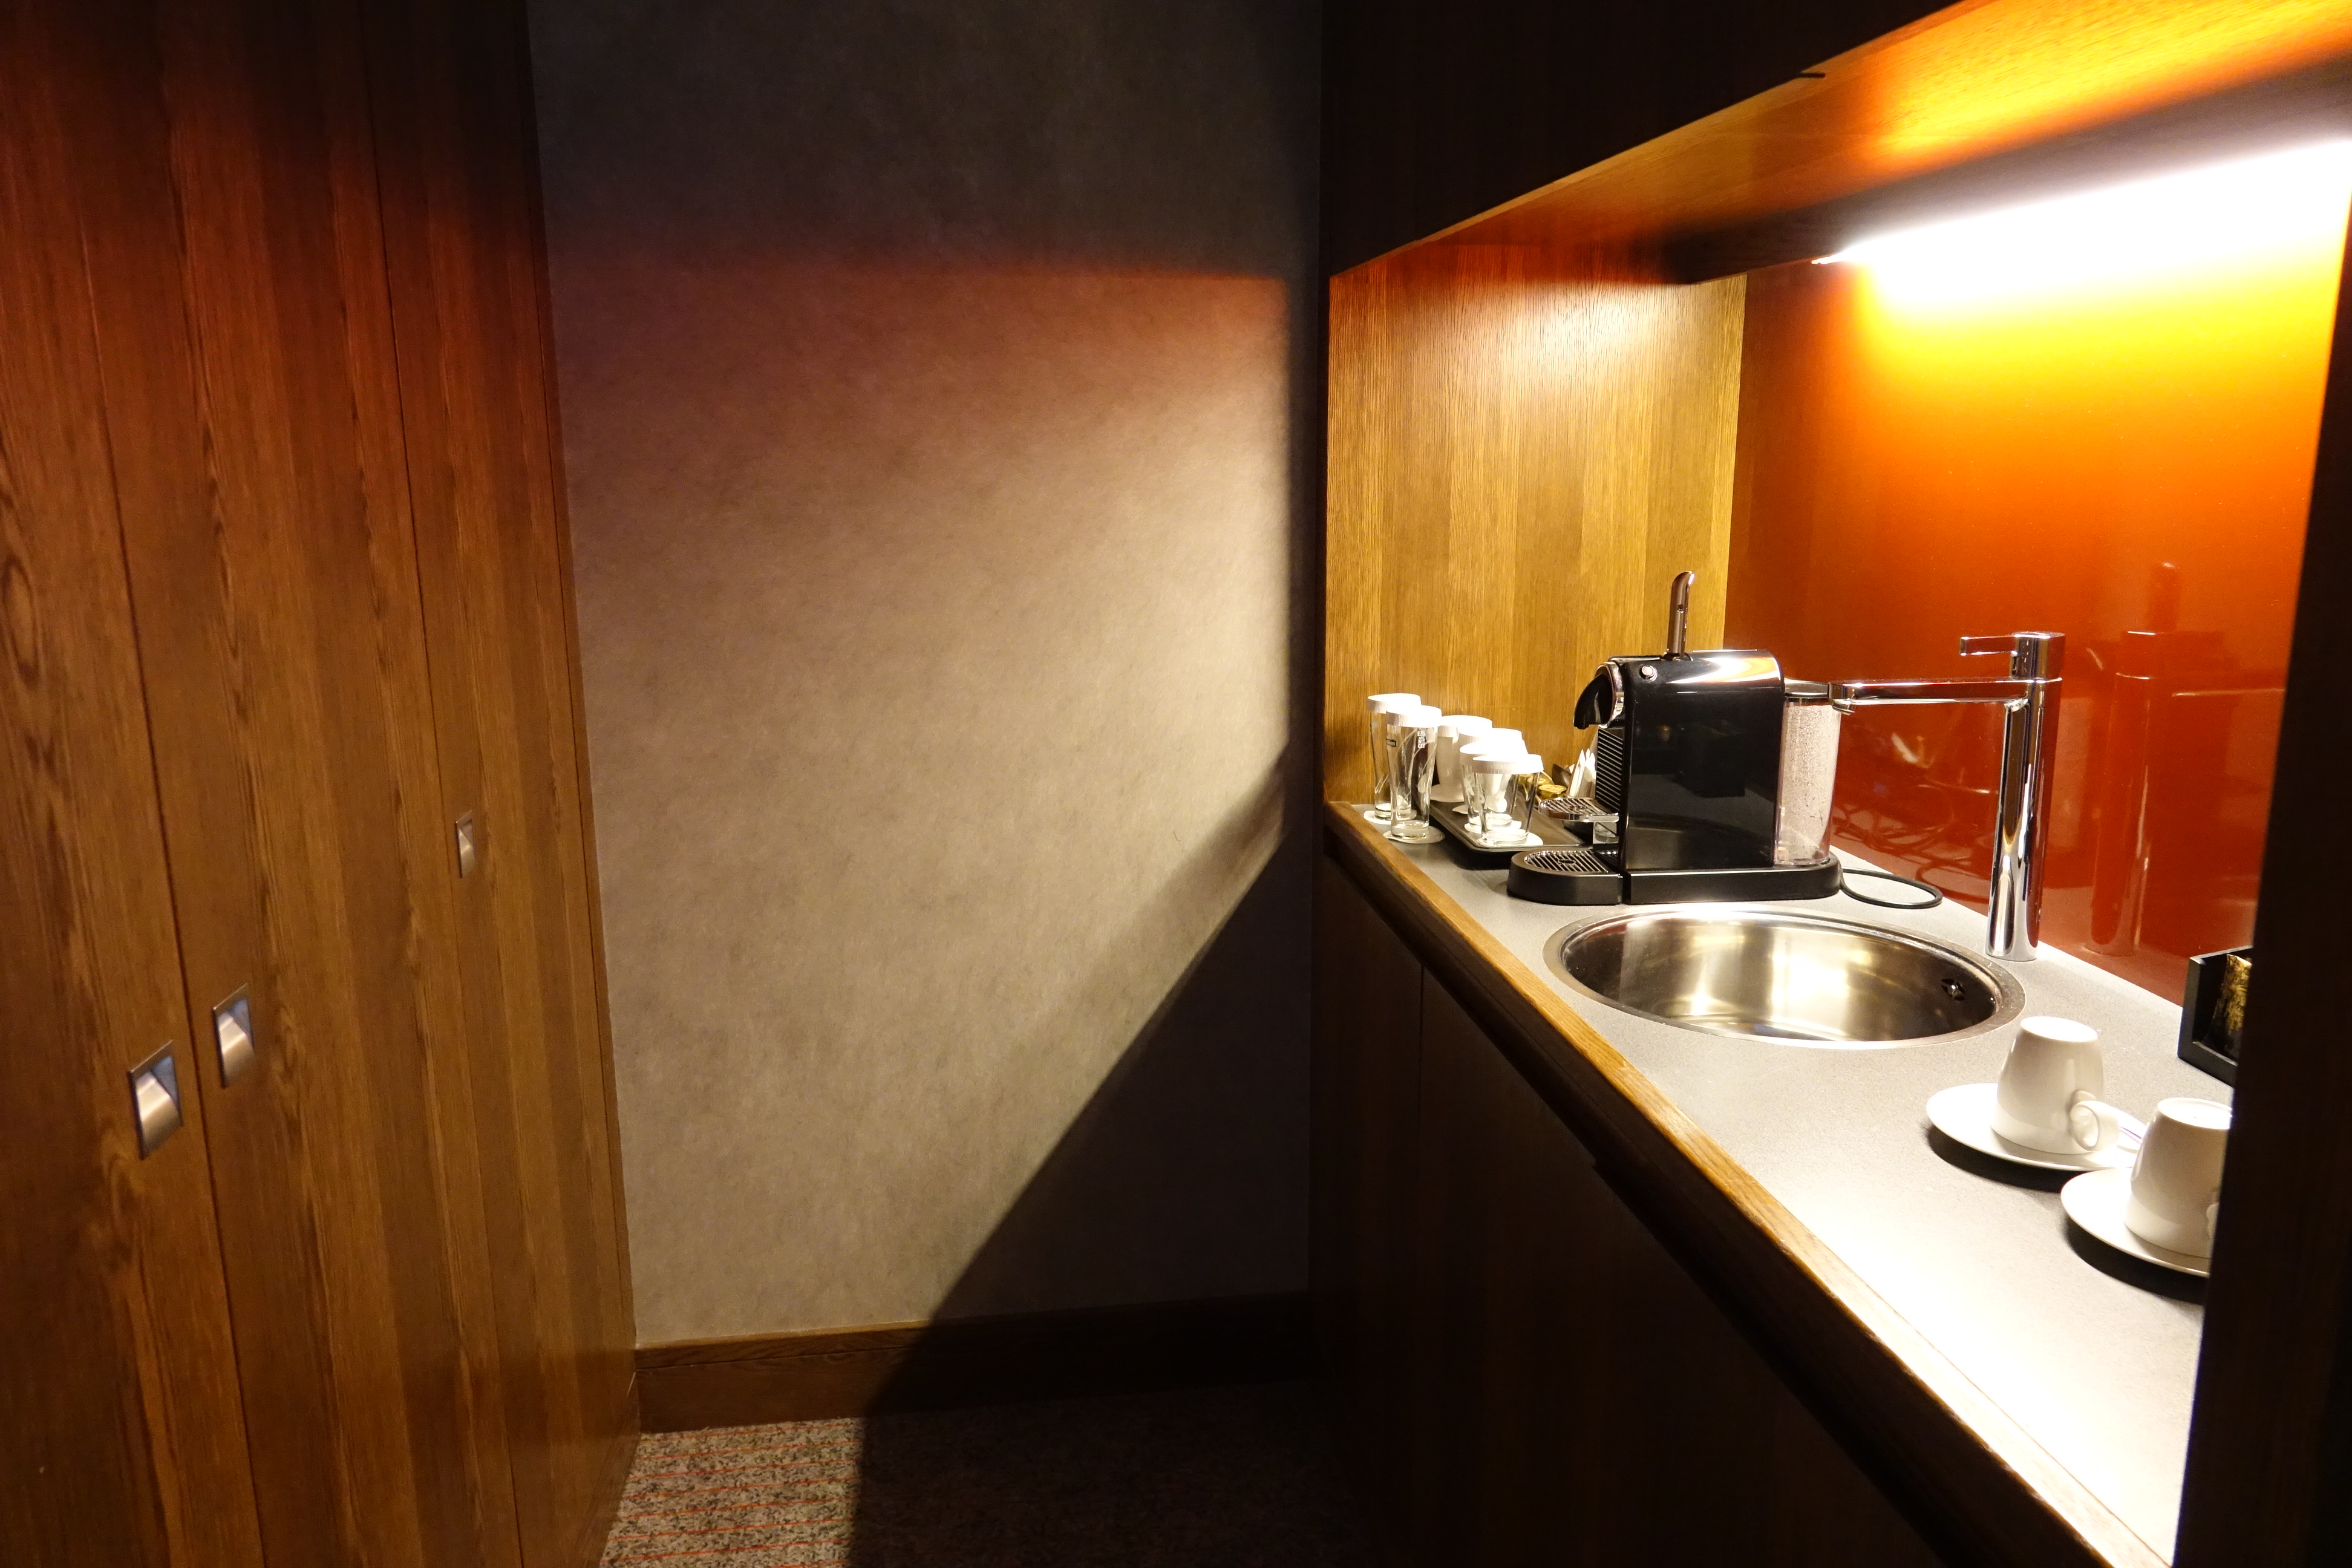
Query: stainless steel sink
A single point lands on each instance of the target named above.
(1799, 978)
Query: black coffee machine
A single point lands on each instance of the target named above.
(1687, 782)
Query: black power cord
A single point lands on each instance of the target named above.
(1846, 885)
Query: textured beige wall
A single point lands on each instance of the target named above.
(936, 509)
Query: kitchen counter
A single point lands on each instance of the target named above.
(2093, 1368)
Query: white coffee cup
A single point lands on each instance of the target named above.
(1454, 731)
(2049, 1095)
(1492, 739)
(2176, 1187)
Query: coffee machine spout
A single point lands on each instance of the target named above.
(1678, 614)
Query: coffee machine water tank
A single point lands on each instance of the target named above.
(1809, 750)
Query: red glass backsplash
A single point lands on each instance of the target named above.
(2129, 465)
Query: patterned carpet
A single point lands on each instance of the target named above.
(1231, 1477)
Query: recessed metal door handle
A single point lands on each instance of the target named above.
(469, 852)
(155, 1101)
(233, 1032)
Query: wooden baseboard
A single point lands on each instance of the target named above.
(690, 1383)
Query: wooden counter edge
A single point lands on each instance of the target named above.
(1911, 1417)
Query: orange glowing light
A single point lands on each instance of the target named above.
(2097, 417)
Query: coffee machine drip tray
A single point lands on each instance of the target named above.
(1568, 876)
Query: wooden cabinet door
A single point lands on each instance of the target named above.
(455, 150)
(250, 425)
(122, 1435)
(241, 308)
(1366, 1086)
(1580, 1400)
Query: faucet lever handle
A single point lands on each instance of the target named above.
(2033, 656)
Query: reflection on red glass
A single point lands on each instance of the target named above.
(2127, 462)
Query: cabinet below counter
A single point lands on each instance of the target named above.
(1581, 1303)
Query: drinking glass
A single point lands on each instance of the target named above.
(1412, 769)
(1376, 710)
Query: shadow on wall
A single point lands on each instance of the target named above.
(938, 634)
(940, 411)
(1188, 1150)
(1170, 1205)
(1198, 1107)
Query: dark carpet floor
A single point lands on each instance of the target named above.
(1227, 1477)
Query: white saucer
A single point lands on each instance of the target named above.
(2094, 1200)
(1964, 1114)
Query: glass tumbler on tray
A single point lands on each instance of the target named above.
(1413, 769)
(1494, 790)
(1377, 708)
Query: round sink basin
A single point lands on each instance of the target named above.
(1799, 978)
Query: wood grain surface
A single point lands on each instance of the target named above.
(243, 326)
(1366, 1085)
(692, 1384)
(1519, 1372)
(1434, 113)
(1523, 451)
(1579, 1400)
(274, 580)
(456, 157)
(1972, 81)
(123, 1441)
(1951, 1458)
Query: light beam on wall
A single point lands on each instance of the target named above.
(2214, 214)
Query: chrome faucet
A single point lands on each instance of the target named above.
(2020, 833)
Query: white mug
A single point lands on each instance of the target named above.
(1454, 731)
(2176, 1187)
(2050, 1090)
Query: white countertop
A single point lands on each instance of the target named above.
(2099, 1370)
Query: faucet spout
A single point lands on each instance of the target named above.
(1845, 695)
(2028, 731)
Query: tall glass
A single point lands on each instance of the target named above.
(1376, 710)
(1495, 787)
(1485, 792)
(1413, 764)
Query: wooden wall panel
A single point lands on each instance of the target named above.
(123, 1439)
(234, 336)
(275, 584)
(2028, 90)
(1524, 450)
(455, 138)
(1434, 113)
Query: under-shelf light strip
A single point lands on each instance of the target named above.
(2210, 214)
